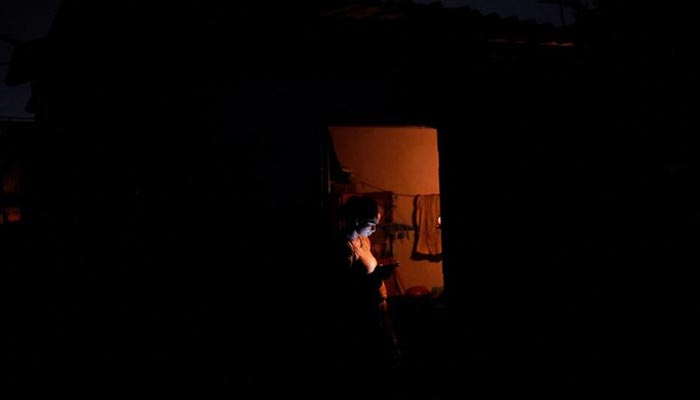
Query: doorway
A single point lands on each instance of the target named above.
(404, 161)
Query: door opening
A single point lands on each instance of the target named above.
(401, 161)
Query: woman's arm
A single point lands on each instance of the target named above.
(364, 253)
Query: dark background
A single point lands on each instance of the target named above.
(174, 190)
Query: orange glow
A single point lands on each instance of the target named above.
(13, 214)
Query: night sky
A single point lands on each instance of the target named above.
(523, 9)
(21, 20)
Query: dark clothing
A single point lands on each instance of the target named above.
(362, 323)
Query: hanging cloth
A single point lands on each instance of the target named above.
(429, 237)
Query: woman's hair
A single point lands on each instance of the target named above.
(361, 208)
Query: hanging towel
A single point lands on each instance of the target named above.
(429, 238)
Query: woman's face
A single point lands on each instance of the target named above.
(367, 227)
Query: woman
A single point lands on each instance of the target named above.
(367, 339)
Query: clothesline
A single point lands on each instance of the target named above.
(386, 190)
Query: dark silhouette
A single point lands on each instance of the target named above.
(365, 336)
